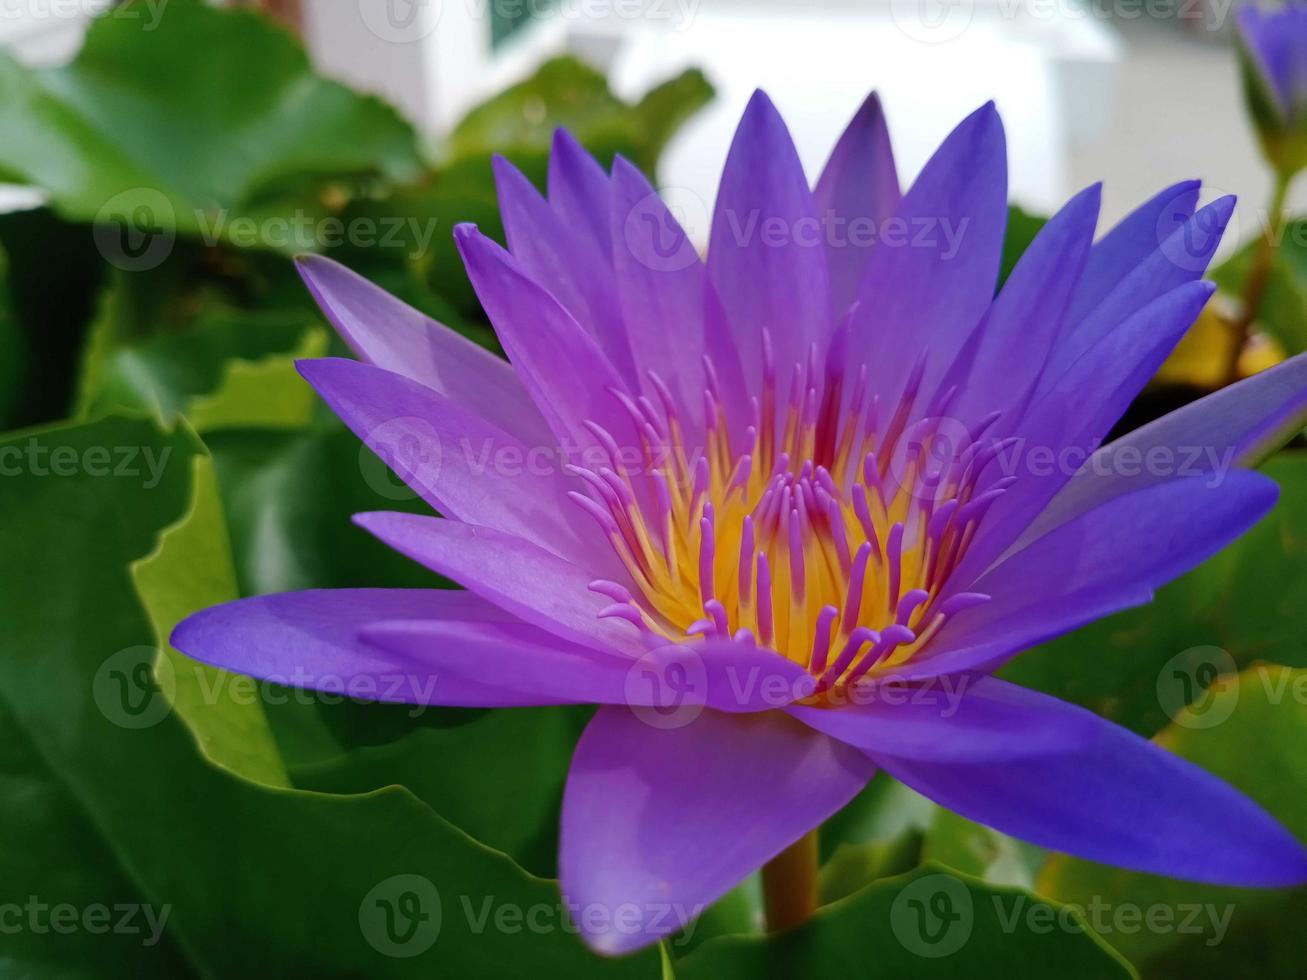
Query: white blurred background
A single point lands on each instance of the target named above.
(1137, 93)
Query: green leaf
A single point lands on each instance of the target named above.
(53, 278)
(229, 368)
(499, 777)
(879, 833)
(13, 350)
(665, 108)
(258, 880)
(44, 827)
(931, 923)
(289, 495)
(189, 571)
(1022, 227)
(267, 393)
(520, 121)
(1240, 607)
(1283, 310)
(1249, 730)
(211, 122)
(981, 851)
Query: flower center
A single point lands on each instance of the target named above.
(826, 530)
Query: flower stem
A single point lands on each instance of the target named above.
(789, 884)
(1259, 275)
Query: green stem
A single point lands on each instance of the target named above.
(789, 884)
(1259, 275)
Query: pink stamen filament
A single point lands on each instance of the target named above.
(821, 535)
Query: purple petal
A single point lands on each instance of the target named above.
(515, 660)
(496, 664)
(1176, 259)
(1104, 560)
(562, 367)
(766, 255)
(1129, 243)
(565, 260)
(1006, 352)
(1276, 41)
(929, 289)
(958, 718)
(511, 573)
(673, 315)
(658, 823)
(859, 188)
(389, 333)
(1069, 420)
(453, 457)
(1111, 797)
(311, 640)
(663, 289)
(578, 189)
(1235, 427)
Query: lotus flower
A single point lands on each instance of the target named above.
(1273, 49)
(811, 492)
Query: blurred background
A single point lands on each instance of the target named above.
(1137, 93)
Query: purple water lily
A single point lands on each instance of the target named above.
(781, 512)
(1273, 48)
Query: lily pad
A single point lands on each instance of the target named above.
(259, 880)
(931, 923)
(211, 123)
(1242, 606)
(1248, 729)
